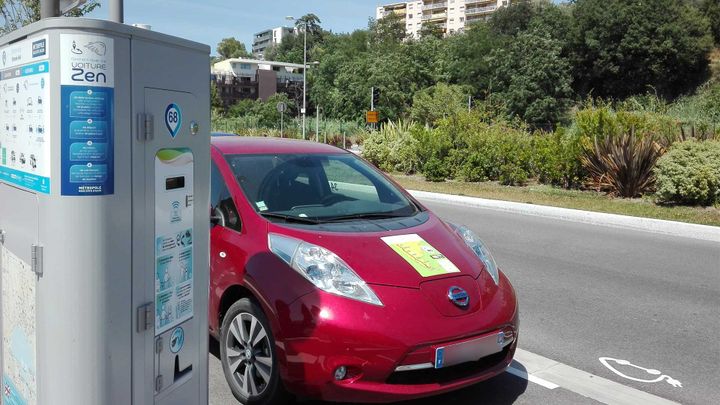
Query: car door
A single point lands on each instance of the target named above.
(227, 254)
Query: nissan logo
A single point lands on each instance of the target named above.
(459, 297)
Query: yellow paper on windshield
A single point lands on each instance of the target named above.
(424, 258)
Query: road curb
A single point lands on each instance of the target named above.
(673, 228)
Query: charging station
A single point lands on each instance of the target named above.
(104, 204)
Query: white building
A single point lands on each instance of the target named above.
(265, 39)
(239, 79)
(450, 16)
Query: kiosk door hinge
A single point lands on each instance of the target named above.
(146, 317)
(36, 259)
(145, 127)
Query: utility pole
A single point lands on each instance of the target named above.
(304, 109)
(469, 103)
(117, 13)
(49, 8)
(317, 125)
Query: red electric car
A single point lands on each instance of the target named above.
(330, 281)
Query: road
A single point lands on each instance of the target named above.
(588, 292)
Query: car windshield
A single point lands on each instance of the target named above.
(317, 188)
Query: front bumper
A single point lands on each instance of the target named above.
(321, 332)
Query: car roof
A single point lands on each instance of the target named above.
(245, 145)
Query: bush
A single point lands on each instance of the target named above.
(690, 174)
(393, 148)
(434, 170)
(622, 165)
(556, 158)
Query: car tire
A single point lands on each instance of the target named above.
(253, 380)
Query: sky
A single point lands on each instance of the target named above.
(209, 21)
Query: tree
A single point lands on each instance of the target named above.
(388, 30)
(18, 13)
(711, 10)
(440, 101)
(620, 48)
(532, 79)
(469, 56)
(230, 48)
(312, 23)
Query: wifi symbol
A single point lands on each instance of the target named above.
(176, 204)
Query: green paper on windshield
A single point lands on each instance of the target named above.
(424, 258)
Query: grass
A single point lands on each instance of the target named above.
(556, 197)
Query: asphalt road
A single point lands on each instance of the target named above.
(589, 291)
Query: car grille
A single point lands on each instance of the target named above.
(449, 374)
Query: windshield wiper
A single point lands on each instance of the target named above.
(367, 215)
(290, 218)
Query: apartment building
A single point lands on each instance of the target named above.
(450, 16)
(265, 39)
(410, 13)
(240, 79)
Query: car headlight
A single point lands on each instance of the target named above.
(322, 267)
(481, 250)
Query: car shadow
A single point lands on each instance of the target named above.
(503, 389)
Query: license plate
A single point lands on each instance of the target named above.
(471, 350)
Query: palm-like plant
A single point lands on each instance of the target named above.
(622, 164)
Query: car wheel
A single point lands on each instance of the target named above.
(247, 351)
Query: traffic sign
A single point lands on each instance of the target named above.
(372, 117)
(281, 107)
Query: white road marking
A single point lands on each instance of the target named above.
(533, 379)
(549, 371)
(607, 360)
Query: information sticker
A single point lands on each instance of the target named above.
(424, 258)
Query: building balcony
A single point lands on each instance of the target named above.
(434, 17)
(481, 10)
(434, 6)
(480, 3)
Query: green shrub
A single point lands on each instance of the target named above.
(622, 165)
(556, 158)
(434, 170)
(393, 148)
(690, 174)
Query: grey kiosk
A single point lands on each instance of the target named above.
(104, 196)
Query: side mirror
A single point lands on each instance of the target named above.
(217, 217)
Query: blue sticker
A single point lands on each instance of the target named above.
(173, 119)
(439, 354)
(87, 140)
(177, 340)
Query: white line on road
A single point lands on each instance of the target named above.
(533, 379)
(550, 373)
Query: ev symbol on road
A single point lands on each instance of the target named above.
(606, 361)
(173, 119)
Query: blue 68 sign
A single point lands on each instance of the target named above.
(173, 119)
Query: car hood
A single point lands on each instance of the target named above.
(383, 258)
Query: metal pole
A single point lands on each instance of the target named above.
(49, 8)
(282, 116)
(469, 103)
(317, 125)
(372, 98)
(344, 145)
(304, 112)
(117, 13)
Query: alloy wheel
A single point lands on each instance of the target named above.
(248, 355)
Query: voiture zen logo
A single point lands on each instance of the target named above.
(89, 72)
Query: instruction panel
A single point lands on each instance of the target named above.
(173, 238)
(25, 157)
(87, 120)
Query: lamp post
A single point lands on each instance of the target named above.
(304, 107)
